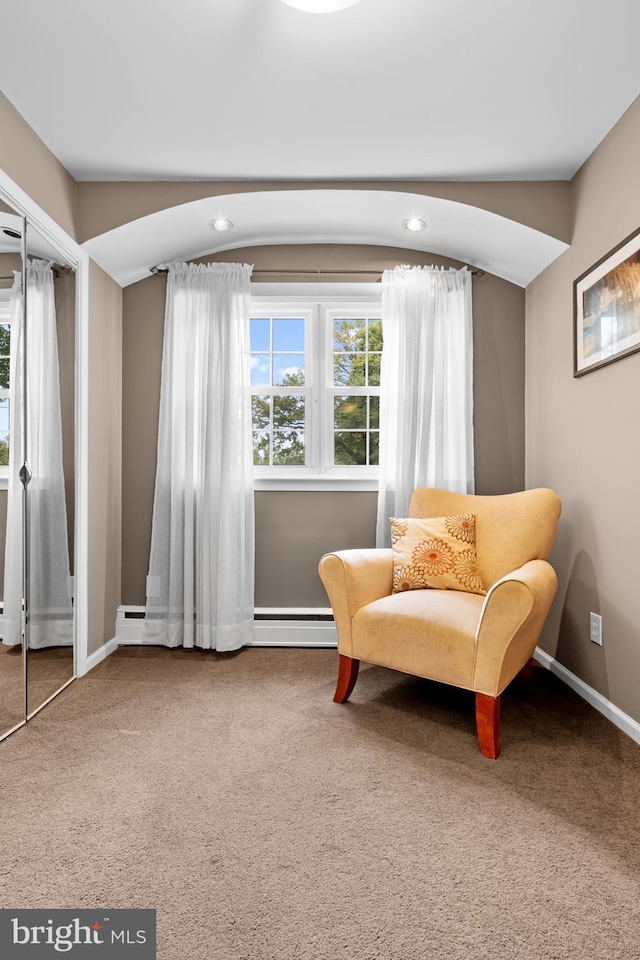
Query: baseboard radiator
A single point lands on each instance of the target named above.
(272, 627)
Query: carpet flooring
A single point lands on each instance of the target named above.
(264, 822)
(48, 670)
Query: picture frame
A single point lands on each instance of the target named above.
(606, 308)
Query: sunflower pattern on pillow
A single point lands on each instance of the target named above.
(438, 552)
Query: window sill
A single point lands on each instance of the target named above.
(316, 482)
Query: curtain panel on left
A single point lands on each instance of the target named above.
(201, 571)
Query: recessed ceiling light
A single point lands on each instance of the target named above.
(221, 224)
(320, 6)
(415, 224)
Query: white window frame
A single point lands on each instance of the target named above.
(317, 303)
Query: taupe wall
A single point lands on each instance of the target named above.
(30, 164)
(541, 205)
(293, 530)
(582, 436)
(105, 455)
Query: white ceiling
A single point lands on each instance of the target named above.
(233, 89)
(386, 89)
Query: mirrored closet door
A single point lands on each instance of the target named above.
(38, 406)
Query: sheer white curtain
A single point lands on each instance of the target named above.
(201, 571)
(426, 387)
(50, 604)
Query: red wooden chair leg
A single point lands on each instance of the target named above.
(488, 724)
(347, 676)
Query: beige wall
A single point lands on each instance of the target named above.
(541, 205)
(293, 530)
(105, 455)
(30, 164)
(582, 436)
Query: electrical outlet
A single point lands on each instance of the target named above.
(595, 628)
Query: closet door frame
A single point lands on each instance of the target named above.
(16, 197)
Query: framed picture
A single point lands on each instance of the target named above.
(606, 308)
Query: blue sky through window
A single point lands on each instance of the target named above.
(277, 350)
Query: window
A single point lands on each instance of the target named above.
(279, 392)
(315, 390)
(357, 351)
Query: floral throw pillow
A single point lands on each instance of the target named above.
(437, 552)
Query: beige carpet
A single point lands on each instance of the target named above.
(264, 822)
(11, 687)
(48, 670)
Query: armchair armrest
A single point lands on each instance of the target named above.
(353, 578)
(511, 621)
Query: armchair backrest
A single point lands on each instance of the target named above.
(510, 529)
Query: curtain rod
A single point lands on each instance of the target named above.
(56, 270)
(315, 273)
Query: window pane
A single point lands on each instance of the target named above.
(261, 448)
(288, 369)
(260, 369)
(374, 449)
(288, 447)
(260, 336)
(5, 335)
(261, 418)
(288, 335)
(374, 412)
(288, 412)
(350, 412)
(4, 432)
(374, 369)
(349, 369)
(288, 430)
(375, 335)
(349, 335)
(260, 412)
(350, 449)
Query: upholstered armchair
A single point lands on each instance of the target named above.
(478, 641)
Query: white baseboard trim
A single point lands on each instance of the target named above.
(272, 632)
(622, 720)
(95, 658)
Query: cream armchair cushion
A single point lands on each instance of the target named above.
(476, 642)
